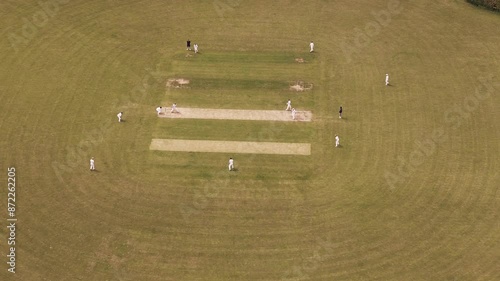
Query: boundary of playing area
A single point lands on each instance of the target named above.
(231, 146)
(237, 114)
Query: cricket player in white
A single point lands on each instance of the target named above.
(288, 105)
(158, 110)
(119, 115)
(174, 108)
(293, 113)
(195, 48)
(387, 79)
(337, 141)
(231, 164)
(92, 166)
(312, 47)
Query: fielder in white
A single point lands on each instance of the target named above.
(119, 115)
(312, 47)
(92, 166)
(158, 110)
(337, 141)
(288, 105)
(293, 113)
(231, 164)
(174, 108)
(195, 48)
(387, 79)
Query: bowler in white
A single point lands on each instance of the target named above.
(174, 108)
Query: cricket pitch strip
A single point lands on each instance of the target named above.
(237, 114)
(231, 146)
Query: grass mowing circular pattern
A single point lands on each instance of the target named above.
(411, 194)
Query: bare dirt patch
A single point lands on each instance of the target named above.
(301, 86)
(300, 60)
(231, 146)
(177, 82)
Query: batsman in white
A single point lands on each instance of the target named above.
(293, 113)
(288, 105)
(158, 110)
(92, 166)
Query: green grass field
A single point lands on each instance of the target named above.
(412, 193)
